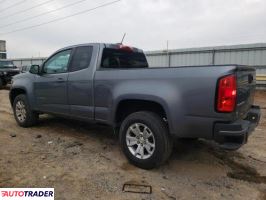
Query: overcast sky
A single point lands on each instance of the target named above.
(148, 24)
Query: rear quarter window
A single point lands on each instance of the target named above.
(81, 58)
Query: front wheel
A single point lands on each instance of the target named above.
(24, 116)
(145, 139)
(2, 83)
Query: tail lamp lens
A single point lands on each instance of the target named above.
(125, 48)
(226, 100)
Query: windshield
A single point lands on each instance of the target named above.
(117, 58)
(6, 64)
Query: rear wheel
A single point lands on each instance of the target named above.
(145, 139)
(24, 116)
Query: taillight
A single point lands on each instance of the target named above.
(125, 48)
(226, 98)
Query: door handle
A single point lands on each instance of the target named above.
(60, 80)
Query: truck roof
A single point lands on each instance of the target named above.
(104, 45)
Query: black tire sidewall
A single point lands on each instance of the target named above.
(1, 83)
(157, 127)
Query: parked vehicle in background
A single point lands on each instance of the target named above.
(7, 71)
(112, 84)
(25, 68)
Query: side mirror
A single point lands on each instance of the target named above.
(35, 69)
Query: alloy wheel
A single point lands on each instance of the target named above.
(140, 141)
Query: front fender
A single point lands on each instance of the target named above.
(24, 82)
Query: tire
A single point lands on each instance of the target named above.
(158, 141)
(23, 114)
(1, 83)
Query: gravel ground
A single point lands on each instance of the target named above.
(84, 161)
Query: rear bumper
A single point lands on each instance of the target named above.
(232, 136)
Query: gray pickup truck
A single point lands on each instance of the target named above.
(111, 84)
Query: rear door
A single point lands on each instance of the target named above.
(80, 81)
(246, 85)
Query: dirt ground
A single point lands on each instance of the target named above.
(84, 161)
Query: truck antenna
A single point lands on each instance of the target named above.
(123, 38)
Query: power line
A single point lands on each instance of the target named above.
(12, 6)
(44, 13)
(62, 18)
(25, 10)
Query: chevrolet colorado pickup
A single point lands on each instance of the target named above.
(7, 71)
(111, 84)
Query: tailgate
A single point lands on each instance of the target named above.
(246, 85)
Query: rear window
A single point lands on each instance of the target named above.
(118, 58)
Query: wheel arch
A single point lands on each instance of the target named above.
(126, 106)
(14, 92)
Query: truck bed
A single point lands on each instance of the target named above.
(189, 91)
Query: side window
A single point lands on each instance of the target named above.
(81, 58)
(58, 63)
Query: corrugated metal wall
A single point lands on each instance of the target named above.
(203, 58)
(251, 54)
(247, 57)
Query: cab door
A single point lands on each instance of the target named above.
(50, 87)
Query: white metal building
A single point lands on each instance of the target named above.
(2, 49)
(20, 62)
(247, 54)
